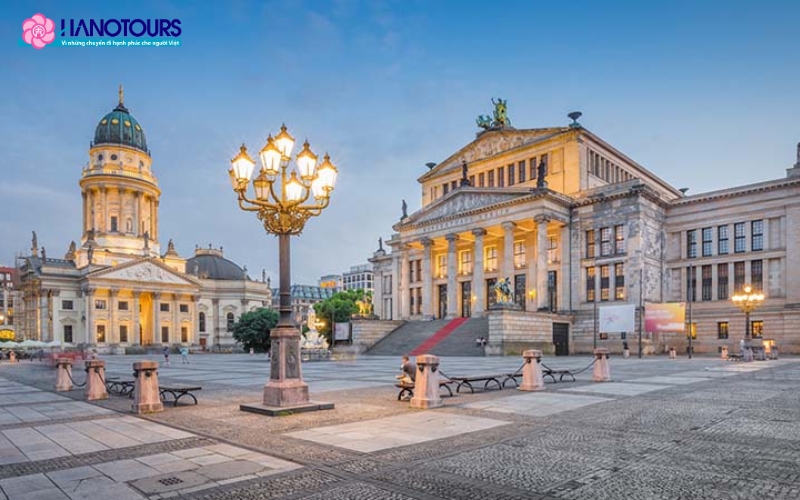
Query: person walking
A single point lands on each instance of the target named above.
(184, 355)
(165, 351)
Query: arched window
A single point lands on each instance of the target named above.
(202, 322)
(230, 321)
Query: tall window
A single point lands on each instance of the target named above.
(184, 308)
(466, 261)
(229, 321)
(590, 242)
(472, 180)
(441, 265)
(722, 282)
(722, 240)
(412, 271)
(590, 282)
(604, 283)
(511, 175)
(706, 287)
(552, 250)
(481, 179)
(101, 334)
(707, 241)
(722, 330)
(532, 169)
(164, 334)
(501, 176)
(65, 304)
(122, 305)
(99, 304)
(184, 334)
(605, 241)
(123, 333)
(619, 281)
(67, 333)
(521, 171)
(164, 306)
(691, 284)
(114, 225)
(619, 239)
(757, 235)
(491, 258)
(445, 188)
(519, 254)
(202, 322)
(491, 178)
(757, 275)
(738, 237)
(757, 328)
(691, 243)
(738, 276)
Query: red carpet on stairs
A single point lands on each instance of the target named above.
(437, 337)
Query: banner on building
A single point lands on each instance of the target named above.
(6, 334)
(665, 317)
(341, 331)
(617, 318)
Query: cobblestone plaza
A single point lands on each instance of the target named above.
(663, 429)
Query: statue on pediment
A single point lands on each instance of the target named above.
(540, 174)
(90, 254)
(380, 244)
(405, 210)
(147, 239)
(34, 241)
(500, 116)
(70, 251)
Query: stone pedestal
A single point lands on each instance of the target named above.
(602, 368)
(673, 354)
(426, 385)
(146, 398)
(532, 378)
(626, 353)
(95, 380)
(723, 353)
(63, 374)
(12, 357)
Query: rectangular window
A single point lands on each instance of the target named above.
(532, 169)
(605, 241)
(491, 258)
(501, 176)
(691, 244)
(739, 237)
(519, 254)
(67, 333)
(738, 276)
(67, 305)
(453, 185)
(511, 175)
(706, 286)
(757, 235)
(619, 281)
(521, 171)
(441, 266)
(604, 283)
(412, 275)
(590, 244)
(164, 334)
(114, 224)
(184, 334)
(164, 307)
(619, 239)
(472, 180)
(707, 241)
(590, 283)
(123, 333)
(491, 178)
(445, 188)
(691, 284)
(757, 275)
(552, 250)
(481, 178)
(465, 260)
(757, 329)
(722, 240)
(419, 271)
(184, 308)
(101, 334)
(99, 304)
(122, 305)
(722, 330)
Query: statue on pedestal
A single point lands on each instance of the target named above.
(405, 210)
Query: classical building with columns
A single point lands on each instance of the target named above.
(117, 287)
(575, 224)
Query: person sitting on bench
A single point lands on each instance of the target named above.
(408, 371)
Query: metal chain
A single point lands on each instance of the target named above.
(575, 372)
(69, 374)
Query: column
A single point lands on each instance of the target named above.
(175, 331)
(404, 289)
(43, 316)
(90, 335)
(85, 212)
(135, 337)
(395, 315)
(508, 252)
(563, 281)
(541, 261)
(530, 278)
(194, 337)
(104, 224)
(214, 323)
(112, 336)
(155, 219)
(452, 272)
(137, 206)
(427, 279)
(478, 280)
(157, 317)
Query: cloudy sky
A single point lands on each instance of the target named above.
(704, 94)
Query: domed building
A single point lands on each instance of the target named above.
(116, 288)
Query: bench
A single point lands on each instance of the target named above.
(486, 379)
(408, 389)
(177, 392)
(546, 372)
(121, 387)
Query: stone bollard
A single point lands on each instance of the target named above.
(626, 353)
(673, 354)
(723, 353)
(426, 384)
(747, 354)
(602, 368)
(774, 352)
(532, 379)
(146, 397)
(64, 374)
(12, 357)
(95, 380)
(252, 351)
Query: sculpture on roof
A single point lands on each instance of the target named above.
(798, 154)
(44, 255)
(70, 251)
(34, 243)
(170, 246)
(499, 118)
(405, 210)
(380, 244)
(540, 173)
(147, 239)
(90, 254)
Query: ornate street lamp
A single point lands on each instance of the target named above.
(747, 301)
(284, 201)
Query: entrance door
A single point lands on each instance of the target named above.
(519, 290)
(561, 338)
(491, 295)
(203, 343)
(442, 301)
(466, 299)
(552, 290)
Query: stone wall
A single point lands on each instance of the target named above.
(367, 332)
(513, 331)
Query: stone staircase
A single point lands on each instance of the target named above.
(460, 342)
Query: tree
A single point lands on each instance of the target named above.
(340, 306)
(253, 328)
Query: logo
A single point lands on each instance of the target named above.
(38, 31)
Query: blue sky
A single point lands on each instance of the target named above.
(704, 94)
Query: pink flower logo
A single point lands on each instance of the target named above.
(38, 31)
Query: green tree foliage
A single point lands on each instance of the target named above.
(253, 327)
(341, 306)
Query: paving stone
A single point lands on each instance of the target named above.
(229, 469)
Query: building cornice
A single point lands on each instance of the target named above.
(760, 187)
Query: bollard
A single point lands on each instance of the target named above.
(602, 368)
(774, 352)
(426, 384)
(64, 375)
(146, 397)
(626, 353)
(95, 380)
(12, 357)
(252, 351)
(673, 354)
(747, 354)
(723, 352)
(532, 379)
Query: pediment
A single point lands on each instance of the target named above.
(147, 271)
(461, 202)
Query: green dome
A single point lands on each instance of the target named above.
(119, 127)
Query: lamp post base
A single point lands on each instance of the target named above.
(281, 411)
(285, 393)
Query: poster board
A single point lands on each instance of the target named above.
(341, 331)
(665, 317)
(617, 318)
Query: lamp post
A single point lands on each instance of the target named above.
(747, 301)
(282, 203)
